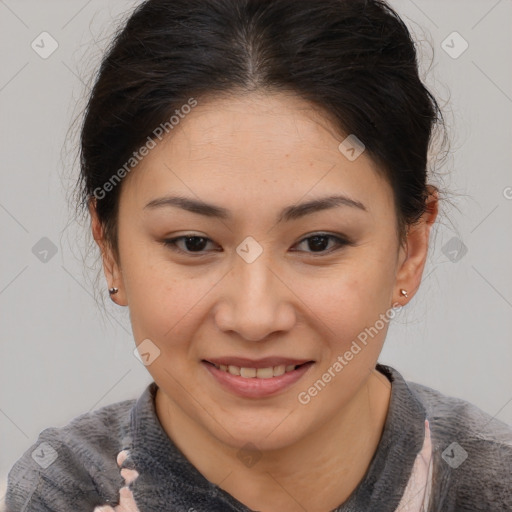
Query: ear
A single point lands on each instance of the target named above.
(111, 266)
(413, 254)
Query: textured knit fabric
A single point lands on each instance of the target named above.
(436, 453)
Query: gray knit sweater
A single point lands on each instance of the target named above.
(436, 453)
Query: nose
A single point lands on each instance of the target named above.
(255, 302)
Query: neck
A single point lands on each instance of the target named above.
(333, 459)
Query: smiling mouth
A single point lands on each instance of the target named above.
(258, 373)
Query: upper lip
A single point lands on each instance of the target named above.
(266, 362)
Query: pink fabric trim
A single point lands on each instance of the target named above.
(126, 499)
(416, 496)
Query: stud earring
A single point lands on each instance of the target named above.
(113, 291)
(404, 293)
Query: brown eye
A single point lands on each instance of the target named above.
(191, 244)
(319, 242)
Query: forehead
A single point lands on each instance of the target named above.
(253, 148)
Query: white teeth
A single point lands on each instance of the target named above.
(248, 372)
(264, 373)
(281, 369)
(234, 370)
(258, 373)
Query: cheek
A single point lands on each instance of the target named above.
(167, 304)
(351, 297)
(157, 297)
(159, 307)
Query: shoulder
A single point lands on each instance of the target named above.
(474, 450)
(72, 467)
(457, 417)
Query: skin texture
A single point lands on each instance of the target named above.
(255, 154)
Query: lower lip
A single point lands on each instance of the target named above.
(254, 387)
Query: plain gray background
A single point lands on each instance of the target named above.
(61, 357)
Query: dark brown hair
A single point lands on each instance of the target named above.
(355, 60)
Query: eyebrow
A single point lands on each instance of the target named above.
(287, 214)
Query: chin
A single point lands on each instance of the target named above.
(272, 434)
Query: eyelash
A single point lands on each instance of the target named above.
(171, 243)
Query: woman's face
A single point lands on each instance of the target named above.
(256, 283)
